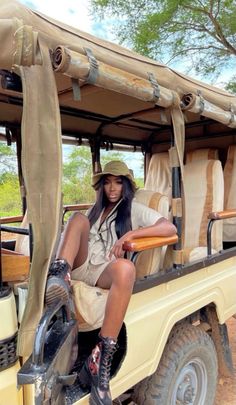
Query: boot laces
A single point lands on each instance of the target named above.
(105, 369)
(59, 267)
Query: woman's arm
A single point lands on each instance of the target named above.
(162, 227)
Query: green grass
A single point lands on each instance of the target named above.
(10, 201)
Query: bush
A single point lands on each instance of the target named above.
(9, 195)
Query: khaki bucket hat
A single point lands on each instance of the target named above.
(115, 168)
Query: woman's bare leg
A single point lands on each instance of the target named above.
(118, 277)
(74, 243)
(72, 252)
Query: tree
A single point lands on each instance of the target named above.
(231, 86)
(10, 200)
(204, 31)
(77, 174)
(7, 158)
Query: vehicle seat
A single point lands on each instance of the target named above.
(229, 225)
(203, 193)
(16, 263)
(150, 261)
(22, 241)
(202, 154)
(159, 175)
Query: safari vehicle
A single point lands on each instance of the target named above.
(59, 84)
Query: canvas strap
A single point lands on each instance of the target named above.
(41, 166)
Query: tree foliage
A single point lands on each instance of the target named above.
(77, 177)
(231, 86)
(10, 200)
(77, 174)
(76, 183)
(168, 30)
(7, 158)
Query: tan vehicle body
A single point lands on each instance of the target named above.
(82, 90)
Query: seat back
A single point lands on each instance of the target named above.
(22, 241)
(16, 264)
(203, 193)
(150, 261)
(229, 225)
(202, 154)
(159, 174)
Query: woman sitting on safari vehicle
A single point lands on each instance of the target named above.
(91, 251)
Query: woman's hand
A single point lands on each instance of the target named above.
(162, 227)
(117, 250)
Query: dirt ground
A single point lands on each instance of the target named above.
(226, 392)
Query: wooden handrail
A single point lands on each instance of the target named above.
(222, 214)
(11, 220)
(66, 208)
(77, 207)
(139, 244)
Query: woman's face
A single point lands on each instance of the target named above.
(113, 188)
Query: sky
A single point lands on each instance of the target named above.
(71, 12)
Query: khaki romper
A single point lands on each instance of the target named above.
(102, 238)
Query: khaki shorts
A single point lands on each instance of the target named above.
(88, 273)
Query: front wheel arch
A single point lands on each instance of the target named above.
(187, 371)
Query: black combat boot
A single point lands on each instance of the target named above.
(58, 282)
(96, 371)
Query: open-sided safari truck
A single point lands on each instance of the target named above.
(58, 83)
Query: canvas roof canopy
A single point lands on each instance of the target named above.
(102, 85)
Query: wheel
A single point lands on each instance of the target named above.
(186, 374)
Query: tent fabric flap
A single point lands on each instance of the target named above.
(41, 164)
(19, 44)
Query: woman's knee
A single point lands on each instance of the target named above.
(79, 220)
(124, 271)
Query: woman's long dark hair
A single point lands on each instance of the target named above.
(123, 216)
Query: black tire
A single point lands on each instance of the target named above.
(186, 374)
